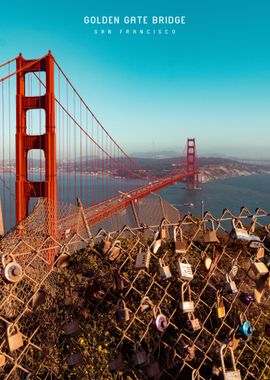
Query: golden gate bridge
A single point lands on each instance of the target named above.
(63, 149)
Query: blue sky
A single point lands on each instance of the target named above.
(211, 80)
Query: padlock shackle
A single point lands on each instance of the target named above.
(118, 304)
(14, 326)
(222, 359)
(185, 287)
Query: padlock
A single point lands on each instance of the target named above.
(15, 341)
(12, 271)
(163, 230)
(153, 370)
(210, 236)
(190, 351)
(234, 373)
(75, 360)
(143, 259)
(164, 270)
(72, 328)
(234, 269)
(230, 285)
(146, 304)
(140, 358)
(106, 244)
(239, 233)
(221, 311)
(119, 282)
(122, 312)
(116, 361)
(232, 341)
(260, 253)
(245, 328)
(2, 360)
(115, 250)
(259, 268)
(160, 320)
(38, 299)
(187, 306)
(179, 243)
(184, 269)
(193, 324)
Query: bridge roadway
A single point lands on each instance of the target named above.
(96, 213)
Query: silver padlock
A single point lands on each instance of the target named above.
(122, 311)
(239, 232)
(160, 320)
(143, 259)
(115, 250)
(12, 271)
(179, 243)
(234, 373)
(184, 269)
(164, 270)
(211, 236)
(193, 323)
(187, 306)
(230, 285)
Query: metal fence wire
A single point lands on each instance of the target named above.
(181, 299)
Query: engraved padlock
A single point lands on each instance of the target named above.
(179, 243)
(238, 231)
(15, 339)
(115, 250)
(230, 285)
(184, 269)
(245, 328)
(160, 320)
(140, 358)
(143, 259)
(259, 268)
(75, 360)
(193, 323)
(232, 374)
(122, 311)
(164, 270)
(12, 271)
(211, 236)
(106, 244)
(221, 311)
(187, 306)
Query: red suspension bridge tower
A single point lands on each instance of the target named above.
(191, 164)
(26, 189)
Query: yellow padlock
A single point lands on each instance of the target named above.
(221, 311)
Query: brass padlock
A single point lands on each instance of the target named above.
(211, 236)
(75, 360)
(106, 244)
(193, 324)
(239, 232)
(115, 250)
(140, 358)
(234, 373)
(122, 311)
(187, 306)
(221, 311)
(15, 340)
(164, 270)
(259, 268)
(12, 271)
(179, 243)
(230, 285)
(160, 320)
(184, 269)
(143, 259)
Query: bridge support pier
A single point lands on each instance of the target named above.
(191, 165)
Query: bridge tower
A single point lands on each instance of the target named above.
(191, 164)
(26, 189)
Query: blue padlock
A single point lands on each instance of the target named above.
(245, 329)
